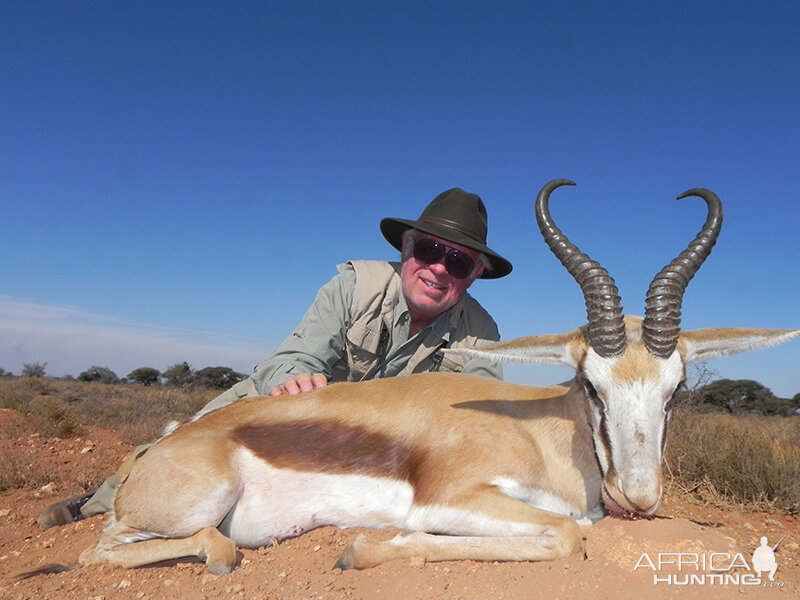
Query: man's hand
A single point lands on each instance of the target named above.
(303, 383)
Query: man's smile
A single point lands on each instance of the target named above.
(432, 284)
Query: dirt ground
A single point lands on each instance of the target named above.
(620, 561)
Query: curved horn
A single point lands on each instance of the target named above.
(662, 316)
(603, 305)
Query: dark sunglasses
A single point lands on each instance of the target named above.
(457, 262)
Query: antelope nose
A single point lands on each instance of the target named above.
(645, 511)
(644, 502)
(639, 501)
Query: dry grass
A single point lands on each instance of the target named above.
(16, 473)
(56, 408)
(50, 408)
(748, 461)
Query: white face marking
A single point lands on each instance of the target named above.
(630, 418)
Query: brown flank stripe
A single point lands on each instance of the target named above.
(330, 447)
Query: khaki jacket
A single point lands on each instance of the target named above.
(372, 316)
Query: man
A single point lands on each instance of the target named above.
(372, 320)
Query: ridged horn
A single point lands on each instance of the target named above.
(662, 316)
(606, 329)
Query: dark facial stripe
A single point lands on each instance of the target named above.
(593, 402)
(330, 447)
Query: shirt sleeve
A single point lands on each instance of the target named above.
(318, 341)
(482, 366)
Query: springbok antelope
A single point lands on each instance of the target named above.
(471, 467)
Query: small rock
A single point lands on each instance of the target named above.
(774, 523)
(50, 488)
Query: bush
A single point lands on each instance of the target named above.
(145, 375)
(219, 378)
(178, 375)
(34, 369)
(99, 374)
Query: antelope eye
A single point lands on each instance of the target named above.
(591, 393)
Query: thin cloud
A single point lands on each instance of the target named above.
(70, 340)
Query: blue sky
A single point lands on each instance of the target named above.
(178, 178)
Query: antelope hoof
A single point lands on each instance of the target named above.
(219, 568)
(345, 561)
(349, 558)
(220, 552)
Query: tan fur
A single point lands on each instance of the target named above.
(634, 364)
(440, 432)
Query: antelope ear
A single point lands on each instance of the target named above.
(703, 344)
(556, 349)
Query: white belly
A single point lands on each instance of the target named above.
(278, 503)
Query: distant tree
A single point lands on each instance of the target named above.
(4, 373)
(145, 375)
(178, 375)
(216, 378)
(100, 374)
(740, 396)
(34, 369)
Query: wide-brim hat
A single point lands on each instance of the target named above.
(455, 216)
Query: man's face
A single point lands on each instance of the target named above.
(428, 288)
